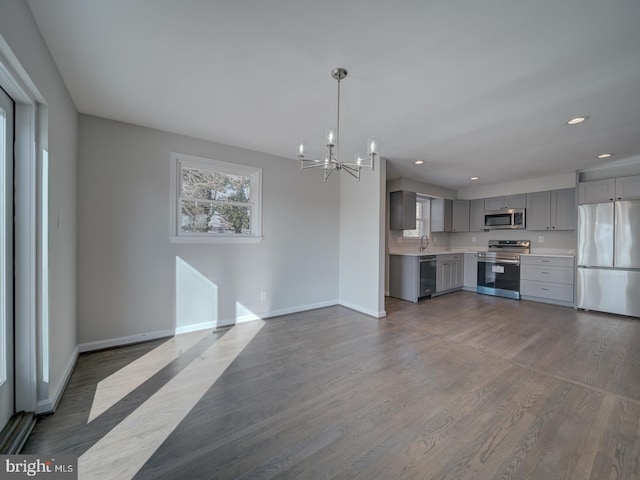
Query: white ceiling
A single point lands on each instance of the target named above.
(470, 87)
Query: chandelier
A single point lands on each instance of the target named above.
(331, 161)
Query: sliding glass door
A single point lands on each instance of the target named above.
(7, 401)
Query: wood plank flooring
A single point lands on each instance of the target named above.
(462, 386)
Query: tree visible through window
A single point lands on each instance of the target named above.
(217, 198)
(215, 202)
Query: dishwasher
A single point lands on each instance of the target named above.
(427, 276)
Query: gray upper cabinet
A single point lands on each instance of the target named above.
(494, 203)
(538, 215)
(597, 191)
(441, 213)
(551, 210)
(508, 201)
(460, 216)
(476, 215)
(609, 190)
(628, 188)
(402, 210)
(563, 209)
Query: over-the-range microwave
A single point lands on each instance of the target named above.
(506, 219)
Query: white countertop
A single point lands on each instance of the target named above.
(547, 252)
(433, 252)
(560, 255)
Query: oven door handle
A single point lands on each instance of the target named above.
(491, 260)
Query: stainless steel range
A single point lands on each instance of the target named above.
(499, 268)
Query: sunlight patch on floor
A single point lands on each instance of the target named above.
(117, 386)
(122, 452)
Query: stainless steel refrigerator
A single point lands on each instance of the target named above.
(608, 278)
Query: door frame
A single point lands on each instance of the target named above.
(27, 148)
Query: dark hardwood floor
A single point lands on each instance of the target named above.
(461, 386)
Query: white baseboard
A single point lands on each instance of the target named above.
(143, 337)
(117, 342)
(366, 311)
(302, 308)
(51, 403)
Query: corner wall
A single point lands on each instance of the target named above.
(362, 237)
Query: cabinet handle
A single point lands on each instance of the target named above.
(547, 228)
(553, 226)
(545, 289)
(545, 273)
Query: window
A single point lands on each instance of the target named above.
(423, 211)
(215, 201)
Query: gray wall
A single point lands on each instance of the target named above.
(22, 37)
(555, 182)
(422, 188)
(362, 259)
(130, 277)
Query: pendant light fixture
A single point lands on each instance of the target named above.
(331, 162)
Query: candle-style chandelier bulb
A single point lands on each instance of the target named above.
(372, 145)
(330, 137)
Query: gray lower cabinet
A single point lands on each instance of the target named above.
(470, 276)
(449, 272)
(405, 277)
(548, 279)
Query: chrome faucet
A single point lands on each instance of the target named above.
(424, 243)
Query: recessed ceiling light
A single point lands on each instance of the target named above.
(578, 120)
(474, 178)
(419, 162)
(605, 155)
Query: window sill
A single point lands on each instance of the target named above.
(192, 239)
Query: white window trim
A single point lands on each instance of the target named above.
(422, 225)
(175, 236)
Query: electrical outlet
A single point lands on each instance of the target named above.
(473, 239)
(540, 239)
(263, 295)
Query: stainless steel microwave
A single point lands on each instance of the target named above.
(506, 219)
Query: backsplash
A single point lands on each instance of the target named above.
(551, 240)
(397, 242)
